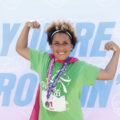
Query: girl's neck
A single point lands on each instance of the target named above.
(72, 59)
(60, 61)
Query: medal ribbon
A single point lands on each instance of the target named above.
(50, 88)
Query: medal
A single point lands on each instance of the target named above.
(47, 104)
(50, 88)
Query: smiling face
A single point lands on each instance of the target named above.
(61, 46)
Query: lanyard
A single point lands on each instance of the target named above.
(50, 88)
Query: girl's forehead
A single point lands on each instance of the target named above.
(61, 37)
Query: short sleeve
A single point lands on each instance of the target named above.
(90, 74)
(37, 58)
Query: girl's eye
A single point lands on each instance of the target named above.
(56, 44)
(65, 44)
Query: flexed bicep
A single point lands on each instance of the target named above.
(22, 43)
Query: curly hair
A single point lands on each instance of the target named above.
(63, 26)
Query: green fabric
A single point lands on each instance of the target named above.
(67, 93)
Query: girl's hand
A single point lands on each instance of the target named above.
(109, 72)
(33, 24)
(112, 46)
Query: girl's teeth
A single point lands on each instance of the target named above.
(61, 53)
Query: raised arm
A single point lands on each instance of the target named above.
(22, 43)
(109, 72)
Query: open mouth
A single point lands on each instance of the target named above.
(61, 53)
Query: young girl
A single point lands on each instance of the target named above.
(61, 76)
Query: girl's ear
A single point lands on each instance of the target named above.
(51, 46)
(71, 47)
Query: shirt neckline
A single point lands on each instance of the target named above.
(72, 59)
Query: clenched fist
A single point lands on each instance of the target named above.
(112, 46)
(33, 24)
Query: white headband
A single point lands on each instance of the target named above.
(57, 31)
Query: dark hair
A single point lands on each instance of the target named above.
(64, 27)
